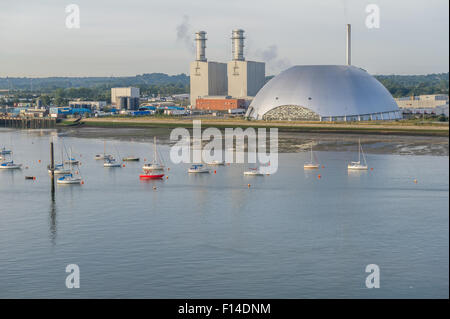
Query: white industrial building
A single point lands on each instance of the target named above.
(207, 78)
(238, 78)
(245, 78)
(92, 105)
(125, 92)
(324, 93)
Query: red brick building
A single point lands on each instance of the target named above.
(219, 104)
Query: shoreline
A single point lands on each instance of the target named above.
(377, 128)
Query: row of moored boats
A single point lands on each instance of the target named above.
(65, 170)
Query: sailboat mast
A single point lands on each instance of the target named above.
(154, 149)
(359, 150)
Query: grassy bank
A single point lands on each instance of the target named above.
(413, 127)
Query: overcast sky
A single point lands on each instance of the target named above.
(130, 37)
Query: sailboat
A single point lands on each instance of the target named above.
(254, 171)
(69, 178)
(216, 163)
(71, 160)
(59, 168)
(4, 151)
(156, 164)
(311, 164)
(109, 160)
(151, 169)
(357, 166)
(198, 168)
(4, 164)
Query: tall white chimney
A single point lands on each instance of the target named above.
(349, 45)
(200, 40)
(238, 45)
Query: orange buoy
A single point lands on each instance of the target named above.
(323, 166)
(123, 165)
(34, 178)
(82, 182)
(248, 185)
(319, 176)
(215, 172)
(39, 161)
(415, 181)
(168, 168)
(167, 177)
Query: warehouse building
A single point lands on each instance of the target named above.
(207, 78)
(220, 103)
(125, 92)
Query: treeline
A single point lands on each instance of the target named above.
(99, 88)
(52, 83)
(407, 85)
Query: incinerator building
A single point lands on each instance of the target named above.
(324, 93)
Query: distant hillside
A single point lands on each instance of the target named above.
(407, 85)
(52, 83)
(398, 85)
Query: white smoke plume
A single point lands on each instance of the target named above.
(270, 56)
(185, 34)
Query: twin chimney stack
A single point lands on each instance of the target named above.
(200, 39)
(238, 44)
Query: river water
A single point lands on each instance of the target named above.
(288, 235)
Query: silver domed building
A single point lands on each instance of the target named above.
(324, 93)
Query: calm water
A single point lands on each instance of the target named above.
(289, 235)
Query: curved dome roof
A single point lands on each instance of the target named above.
(328, 90)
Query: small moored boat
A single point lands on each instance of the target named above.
(357, 166)
(156, 164)
(311, 164)
(4, 151)
(149, 175)
(111, 162)
(10, 165)
(216, 163)
(198, 168)
(254, 172)
(130, 159)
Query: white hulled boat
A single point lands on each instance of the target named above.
(69, 179)
(311, 164)
(10, 165)
(254, 172)
(357, 166)
(198, 168)
(156, 164)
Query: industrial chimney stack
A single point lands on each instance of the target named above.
(238, 45)
(349, 45)
(200, 39)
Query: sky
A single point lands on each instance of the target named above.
(129, 37)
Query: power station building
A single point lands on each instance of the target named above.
(245, 78)
(207, 78)
(239, 79)
(324, 93)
